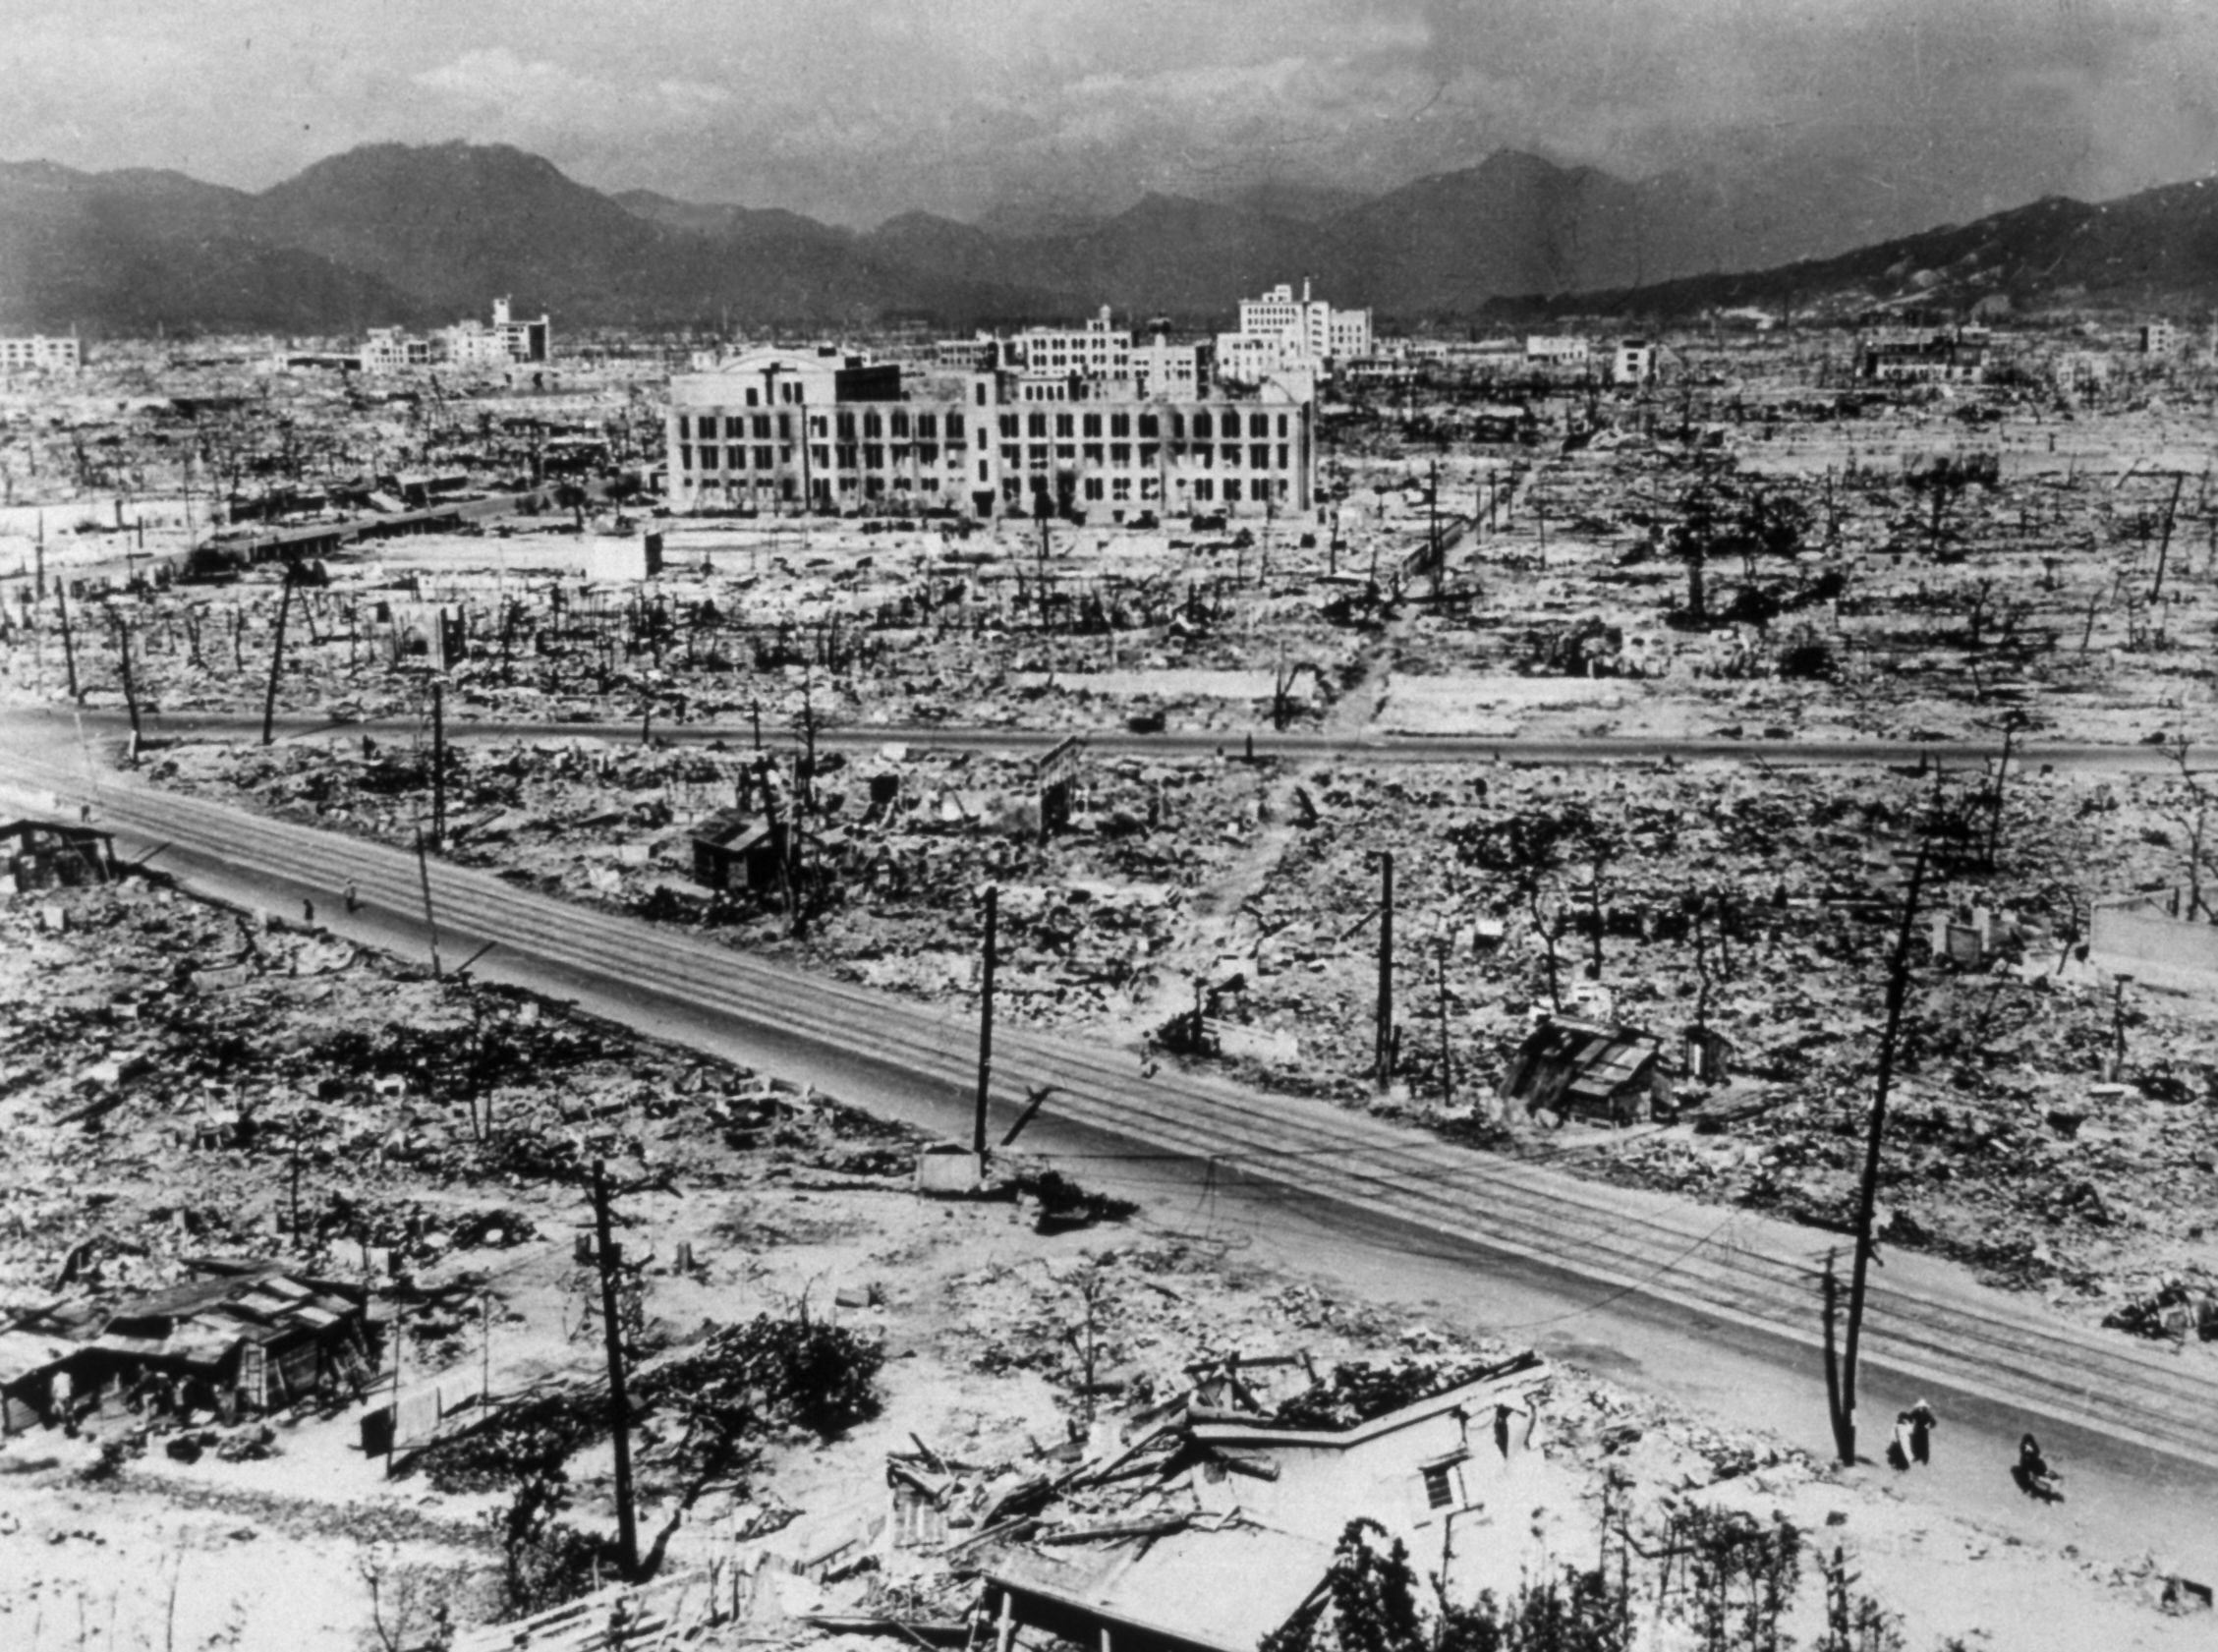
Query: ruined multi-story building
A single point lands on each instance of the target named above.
(507, 342)
(785, 429)
(1282, 333)
(40, 353)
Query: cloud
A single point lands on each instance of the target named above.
(858, 108)
(496, 75)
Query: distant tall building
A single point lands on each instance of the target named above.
(1634, 362)
(467, 344)
(1280, 333)
(2159, 339)
(40, 353)
(1048, 359)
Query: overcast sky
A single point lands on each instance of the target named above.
(855, 109)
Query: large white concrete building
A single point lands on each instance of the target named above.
(790, 430)
(1047, 360)
(40, 353)
(1280, 332)
(509, 341)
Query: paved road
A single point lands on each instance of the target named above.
(1752, 1279)
(1369, 747)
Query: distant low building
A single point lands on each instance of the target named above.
(2159, 339)
(1925, 356)
(2082, 370)
(1557, 351)
(40, 353)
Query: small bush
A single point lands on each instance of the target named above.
(775, 1372)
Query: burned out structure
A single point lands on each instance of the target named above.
(790, 430)
(1224, 1526)
(44, 854)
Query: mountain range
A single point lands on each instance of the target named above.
(424, 233)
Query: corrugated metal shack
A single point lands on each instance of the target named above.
(1583, 1069)
(254, 1337)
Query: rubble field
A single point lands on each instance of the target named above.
(183, 1061)
(1764, 549)
(1753, 902)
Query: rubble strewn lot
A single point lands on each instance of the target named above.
(1753, 903)
(856, 1399)
(858, 1405)
(1759, 905)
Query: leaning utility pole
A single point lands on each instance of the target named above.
(277, 656)
(1383, 1055)
(985, 1029)
(619, 1408)
(1867, 1193)
(2164, 548)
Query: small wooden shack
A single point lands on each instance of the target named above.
(1584, 1070)
(736, 850)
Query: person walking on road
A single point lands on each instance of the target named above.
(2035, 1477)
(352, 900)
(1923, 1423)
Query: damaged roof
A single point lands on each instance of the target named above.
(1222, 1589)
(200, 1323)
(1580, 1062)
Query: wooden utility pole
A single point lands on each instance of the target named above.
(1867, 1192)
(277, 656)
(2164, 547)
(68, 646)
(430, 922)
(1432, 525)
(985, 1027)
(130, 686)
(619, 1408)
(294, 1230)
(400, 1341)
(1995, 803)
(1446, 1061)
(438, 765)
(1382, 1056)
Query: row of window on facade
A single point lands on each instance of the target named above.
(760, 426)
(1201, 426)
(1032, 456)
(1145, 488)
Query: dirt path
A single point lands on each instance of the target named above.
(1222, 932)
